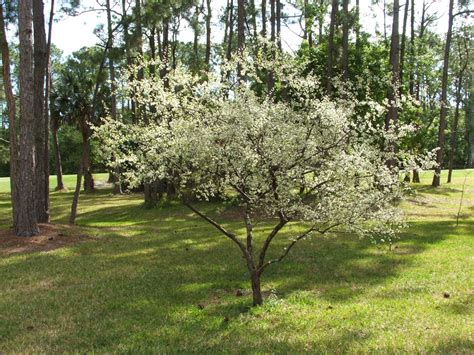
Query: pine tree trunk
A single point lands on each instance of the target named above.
(403, 44)
(11, 108)
(444, 100)
(26, 224)
(41, 132)
(345, 40)
(330, 53)
(264, 18)
(207, 59)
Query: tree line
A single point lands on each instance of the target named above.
(424, 78)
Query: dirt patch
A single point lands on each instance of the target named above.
(51, 237)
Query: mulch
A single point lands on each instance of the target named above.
(51, 237)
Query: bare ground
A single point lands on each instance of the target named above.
(51, 237)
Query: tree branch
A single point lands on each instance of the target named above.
(463, 13)
(292, 244)
(4, 140)
(273, 233)
(219, 227)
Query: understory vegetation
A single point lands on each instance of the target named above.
(163, 280)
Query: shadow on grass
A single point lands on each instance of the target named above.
(144, 281)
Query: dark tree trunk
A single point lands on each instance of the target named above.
(253, 18)
(403, 44)
(196, 41)
(330, 53)
(27, 224)
(345, 40)
(57, 155)
(256, 289)
(412, 48)
(278, 23)
(86, 160)
(416, 177)
(264, 18)
(41, 132)
(207, 59)
(47, 91)
(11, 108)
(469, 126)
(240, 24)
(77, 191)
(444, 99)
(392, 116)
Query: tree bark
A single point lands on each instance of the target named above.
(57, 155)
(278, 23)
(41, 130)
(86, 160)
(403, 44)
(330, 53)
(207, 59)
(444, 100)
(27, 224)
(264, 18)
(256, 289)
(392, 116)
(345, 40)
(77, 191)
(412, 49)
(11, 108)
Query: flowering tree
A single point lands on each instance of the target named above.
(304, 159)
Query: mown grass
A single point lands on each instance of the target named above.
(161, 280)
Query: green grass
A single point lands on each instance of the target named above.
(136, 286)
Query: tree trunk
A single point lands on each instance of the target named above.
(77, 191)
(392, 116)
(11, 108)
(27, 220)
(278, 23)
(86, 160)
(444, 100)
(207, 59)
(264, 18)
(469, 126)
(412, 48)
(416, 176)
(330, 53)
(57, 155)
(41, 133)
(403, 44)
(256, 289)
(345, 40)
(240, 24)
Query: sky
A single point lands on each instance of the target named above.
(72, 33)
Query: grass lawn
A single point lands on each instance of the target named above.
(162, 280)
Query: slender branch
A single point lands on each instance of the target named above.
(463, 13)
(218, 226)
(273, 233)
(292, 244)
(4, 140)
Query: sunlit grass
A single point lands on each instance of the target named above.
(161, 280)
